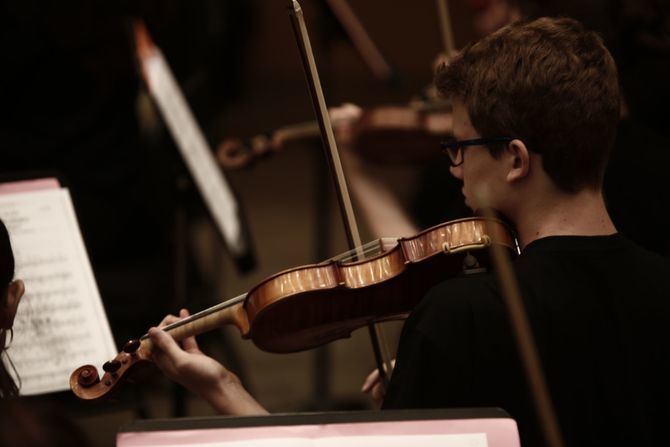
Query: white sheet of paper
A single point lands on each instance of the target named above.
(194, 149)
(442, 440)
(60, 324)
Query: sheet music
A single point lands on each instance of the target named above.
(60, 324)
(194, 149)
(442, 440)
(435, 440)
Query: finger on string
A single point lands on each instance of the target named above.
(158, 355)
(189, 344)
(169, 319)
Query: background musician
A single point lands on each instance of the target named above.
(24, 422)
(12, 291)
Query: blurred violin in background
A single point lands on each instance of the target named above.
(389, 134)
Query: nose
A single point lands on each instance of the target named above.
(457, 171)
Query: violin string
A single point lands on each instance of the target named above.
(370, 249)
(366, 249)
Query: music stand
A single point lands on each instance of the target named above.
(474, 427)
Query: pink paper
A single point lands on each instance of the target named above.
(29, 185)
(499, 432)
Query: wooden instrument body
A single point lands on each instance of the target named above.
(305, 307)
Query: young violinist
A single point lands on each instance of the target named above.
(536, 107)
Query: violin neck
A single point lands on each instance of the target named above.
(296, 132)
(229, 312)
(347, 113)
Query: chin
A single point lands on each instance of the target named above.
(469, 203)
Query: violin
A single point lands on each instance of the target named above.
(308, 306)
(389, 134)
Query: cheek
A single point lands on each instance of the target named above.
(480, 186)
(472, 175)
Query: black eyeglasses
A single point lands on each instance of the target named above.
(455, 148)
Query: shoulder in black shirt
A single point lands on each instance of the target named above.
(598, 307)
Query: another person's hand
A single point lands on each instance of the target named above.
(201, 374)
(374, 386)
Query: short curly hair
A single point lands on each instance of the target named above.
(552, 84)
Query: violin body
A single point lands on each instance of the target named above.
(308, 306)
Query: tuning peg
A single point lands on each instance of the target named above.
(112, 366)
(131, 346)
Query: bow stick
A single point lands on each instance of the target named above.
(333, 157)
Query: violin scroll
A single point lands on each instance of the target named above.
(86, 383)
(234, 153)
(85, 376)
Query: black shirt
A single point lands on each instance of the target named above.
(599, 308)
(635, 178)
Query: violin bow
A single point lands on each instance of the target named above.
(360, 39)
(445, 28)
(333, 157)
(523, 335)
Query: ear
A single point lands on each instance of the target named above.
(15, 291)
(519, 160)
